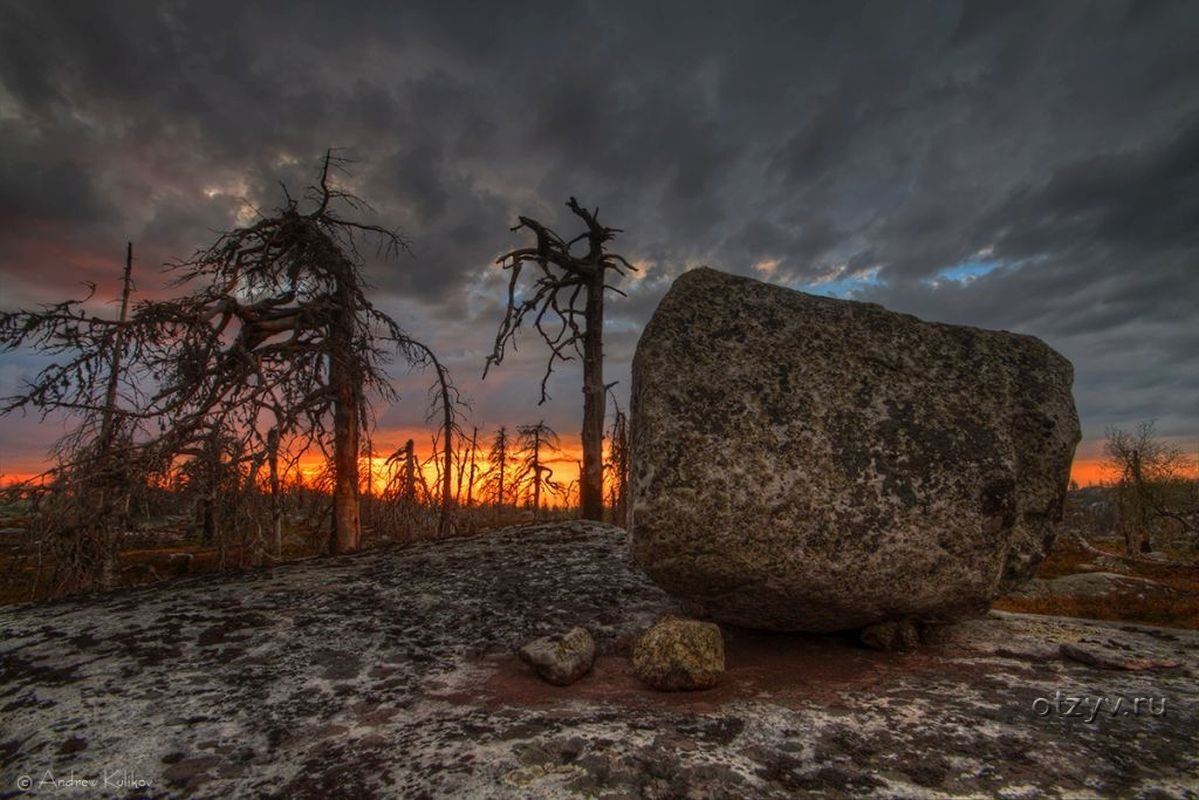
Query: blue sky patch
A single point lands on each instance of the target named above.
(843, 287)
(966, 271)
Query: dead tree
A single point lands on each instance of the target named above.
(278, 320)
(108, 433)
(84, 499)
(286, 324)
(570, 289)
(407, 491)
(1152, 485)
(534, 475)
(617, 466)
(474, 450)
(495, 477)
(466, 465)
(444, 404)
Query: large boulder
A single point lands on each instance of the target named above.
(805, 463)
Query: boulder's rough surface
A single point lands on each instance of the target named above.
(680, 655)
(805, 463)
(561, 659)
(394, 675)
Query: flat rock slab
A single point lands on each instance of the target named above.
(394, 674)
(1086, 584)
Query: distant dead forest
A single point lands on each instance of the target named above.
(230, 425)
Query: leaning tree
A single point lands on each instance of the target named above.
(569, 290)
(275, 341)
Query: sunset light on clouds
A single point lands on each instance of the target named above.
(1028, 167)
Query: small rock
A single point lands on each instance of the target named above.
(561, 659)
(680, 655)
(895, 635)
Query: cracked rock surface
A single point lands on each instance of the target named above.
(395, 674)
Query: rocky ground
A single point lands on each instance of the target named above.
(394, 674)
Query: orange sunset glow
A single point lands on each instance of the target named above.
(564, 463)
(1083, 471)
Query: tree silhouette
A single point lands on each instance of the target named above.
(1151, 484)
(617, 466)
(84, 498)
(444, 405)
(467, 465)
(277, 333)
(496, 476)
(534, 475)
(569, 288)
(406, 490)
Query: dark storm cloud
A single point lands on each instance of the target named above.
(60, 190)
(821, 143)
(1142, 200)
(796, 142)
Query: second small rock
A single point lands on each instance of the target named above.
(561, 659)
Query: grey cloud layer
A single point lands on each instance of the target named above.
(1060, 139)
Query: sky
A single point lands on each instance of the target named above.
(1024, 166)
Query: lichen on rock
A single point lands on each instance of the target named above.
(680, 655)
(561, 659)
(394, 674)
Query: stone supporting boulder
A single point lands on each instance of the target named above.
(900, 635)
(805, 463)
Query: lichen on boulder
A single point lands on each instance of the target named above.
(561, 659)
(680, 655)
(806, 463)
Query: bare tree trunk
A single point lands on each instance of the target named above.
(276, 494)
(591, 489)
(470, 487)
(347, 410)
(503, 470)
(443, 524)
(410, 474)
(367, 508)
(461, 476)
(1143, 502)
(618, 455)
(108, 534)
(536, 474)
(208, 517)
